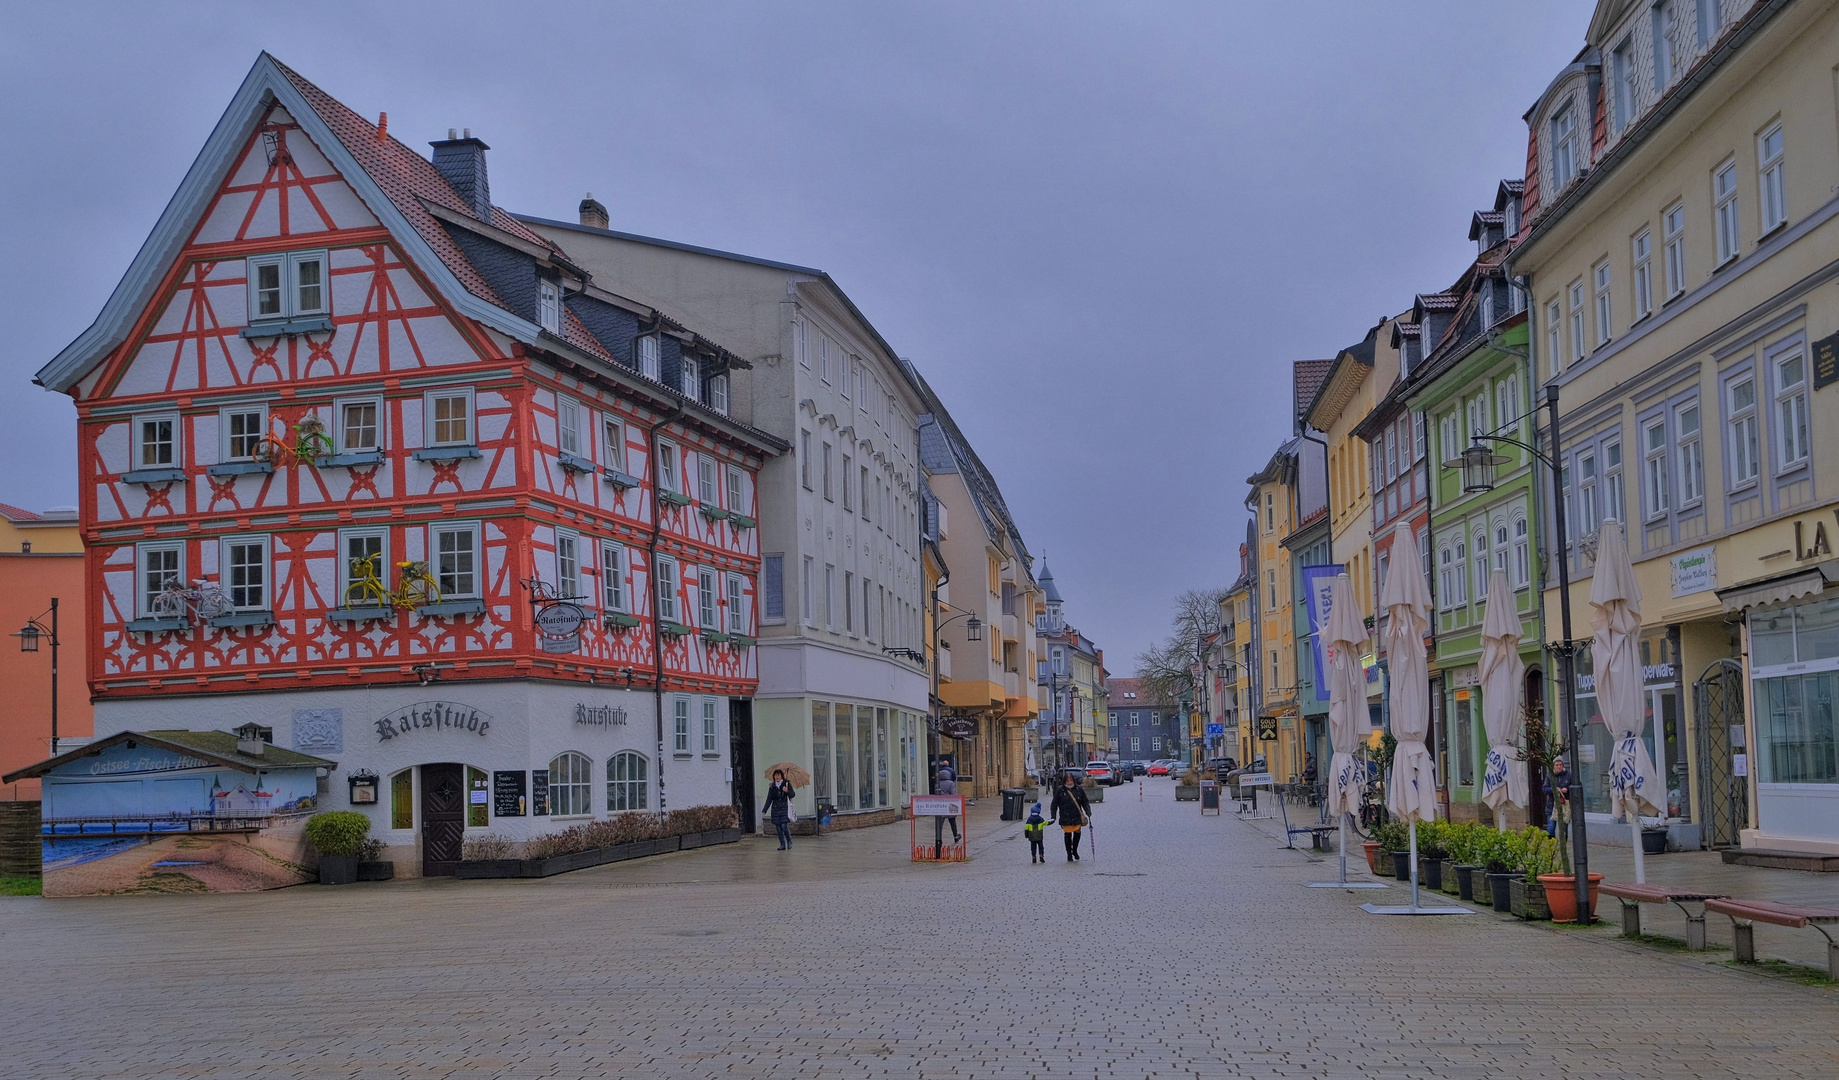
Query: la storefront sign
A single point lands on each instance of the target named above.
(433, 716)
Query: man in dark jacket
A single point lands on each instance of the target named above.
(1073, 811)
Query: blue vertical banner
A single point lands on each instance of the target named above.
(1316, 580)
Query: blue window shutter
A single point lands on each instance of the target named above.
(772, 582)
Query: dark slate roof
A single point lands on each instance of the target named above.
(218, 747)
(1047, 584)
(946, 441)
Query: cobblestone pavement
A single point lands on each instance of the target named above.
(1185, 948)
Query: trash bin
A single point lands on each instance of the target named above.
(1014, 800)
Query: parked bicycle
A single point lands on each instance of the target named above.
(310, 444)
(201, 600)
(415, 587)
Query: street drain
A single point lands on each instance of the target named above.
(1107, 873)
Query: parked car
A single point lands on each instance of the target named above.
(1138, 768)
(1100, 771)
(1157, 768)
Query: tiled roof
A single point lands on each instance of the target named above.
(1308, 376)
(14, 513)
(1439, 301)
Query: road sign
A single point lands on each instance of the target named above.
(1267, 729)
(1216, 729)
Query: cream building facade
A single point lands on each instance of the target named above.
(1685, 307)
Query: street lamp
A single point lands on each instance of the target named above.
(1477, 464)
(973, 631)
(28, 636)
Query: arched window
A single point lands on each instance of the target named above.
(1481, 564)
(1522, 553)
(571, 778)
(626, 782)
(1500, 545)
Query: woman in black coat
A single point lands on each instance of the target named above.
(779, 807)
(1072, 810)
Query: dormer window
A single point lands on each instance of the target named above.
(287, 286)
(648, 356)
(689, 378)
(549, 305)
(1564, 147)
(718, 393)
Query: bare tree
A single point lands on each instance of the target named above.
(1166, 668)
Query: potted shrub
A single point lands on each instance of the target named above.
(371, 864)
(1430, 853)
(1455, 849)
(1527, 892)
(1394, 855)
(338, 836)
(1502, 856)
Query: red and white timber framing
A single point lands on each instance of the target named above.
(394, 336)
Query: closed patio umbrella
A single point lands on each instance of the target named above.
(1411, 787)
(1344, 633)
(1502, 677)
(1615, 614)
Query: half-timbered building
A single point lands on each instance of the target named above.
(368, 463)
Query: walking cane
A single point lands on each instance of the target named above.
(1094, 833)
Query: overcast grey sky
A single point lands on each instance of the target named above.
(1102, 230)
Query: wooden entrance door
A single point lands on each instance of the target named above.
(443, 818)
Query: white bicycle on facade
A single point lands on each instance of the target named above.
(200, 599)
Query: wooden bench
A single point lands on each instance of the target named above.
(1745, 914)
(1633, 896)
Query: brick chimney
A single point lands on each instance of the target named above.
(593, 214)
(461, 160)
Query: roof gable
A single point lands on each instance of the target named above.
(382, 173)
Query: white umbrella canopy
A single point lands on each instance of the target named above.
(1345, 632)
(1615, 614)
(1411, 789)
(1502, 677)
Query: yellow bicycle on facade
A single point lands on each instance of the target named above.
(368, 590)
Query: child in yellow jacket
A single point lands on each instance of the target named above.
(1035, 829)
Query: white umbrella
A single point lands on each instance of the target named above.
(1615, 613)
(1411, 788)
(1502, 673)
(1343, 635)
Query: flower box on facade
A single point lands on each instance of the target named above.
(360, 614)
(445, 455)
(621, 480)
(238, 619)
(239, 468)
(453, 607)
(742, 641)
(714, 637)
(714, 513)
(741, 521)
(312, 324)
(674, 629)
(581, 860)
(673, 498)
(154, 476)
(619, 620)
(157, 626)
(350, 459)
(574, 463)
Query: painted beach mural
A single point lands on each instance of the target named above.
(177, 811)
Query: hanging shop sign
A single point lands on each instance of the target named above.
(958, 727)
(433, 716)
(508, 799)
(559, 623)
(1267, 729)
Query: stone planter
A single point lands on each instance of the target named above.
(1187, 792)
(1465, 883)
(376, 871)
(1527, 899)
(1430, 873)
(1096, 792)
(338, 869)
(1401, 865)
(1449, 877)
(581, 860)
(1500, 888)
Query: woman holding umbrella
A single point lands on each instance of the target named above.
(779, 807)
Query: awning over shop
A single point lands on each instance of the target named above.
(1780, 589)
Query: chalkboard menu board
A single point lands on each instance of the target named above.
(539, 792)
(508, 794)
(1825, 361)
